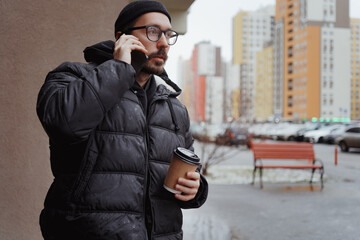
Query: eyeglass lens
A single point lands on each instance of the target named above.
(154, 34)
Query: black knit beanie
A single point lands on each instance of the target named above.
(135, 9)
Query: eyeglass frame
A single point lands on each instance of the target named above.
(159, 36)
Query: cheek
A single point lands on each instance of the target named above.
(148, 44)
(150, 48)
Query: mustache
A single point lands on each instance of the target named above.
(159, 54)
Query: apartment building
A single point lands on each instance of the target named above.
(204, 80)
(251, 30)
(355, 68)
(316, 58)
(233, 90)
(278, 61)
(264, 94)
(185, 77)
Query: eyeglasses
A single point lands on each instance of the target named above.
(154, 33)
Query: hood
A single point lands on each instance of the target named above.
(99, 52)
(164, 80)
(103, 51)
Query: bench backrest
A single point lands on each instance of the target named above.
(283, 150)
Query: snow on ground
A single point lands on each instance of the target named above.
(227, 174)
(204, 227)
(211, 228)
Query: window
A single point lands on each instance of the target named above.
(290, 68)
(290, 84)
(331, 100)
(290, 52)
(290, 101)
(353, 130)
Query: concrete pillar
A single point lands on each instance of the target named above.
(35, 37)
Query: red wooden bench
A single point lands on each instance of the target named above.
(285, 155)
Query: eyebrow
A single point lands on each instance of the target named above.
(157, 25)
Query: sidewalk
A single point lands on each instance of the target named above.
(285, 210)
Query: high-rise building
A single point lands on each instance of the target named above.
(355, 69)
(264, 94)
(185, 77)
(316, 58)
(250, 31)
(233, 91)
(199, 88)
(278, 53)
(205, 83)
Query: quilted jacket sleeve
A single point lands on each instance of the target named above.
(75, 97)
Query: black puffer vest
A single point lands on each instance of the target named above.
(109, 159)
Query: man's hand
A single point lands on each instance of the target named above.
(188, 186)
(125, 45)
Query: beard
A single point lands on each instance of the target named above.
(155, 67)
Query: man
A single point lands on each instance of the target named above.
(112, 132)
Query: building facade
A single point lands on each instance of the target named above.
(316, 58)
(278, 77)
(206, 82)
(233, 90)
(264, 94)
(251, 30)
(185, 76)
(355, 69)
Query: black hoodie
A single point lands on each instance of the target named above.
(100, 52)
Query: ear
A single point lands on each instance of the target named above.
(118, 34)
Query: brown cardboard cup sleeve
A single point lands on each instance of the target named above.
(183, 161)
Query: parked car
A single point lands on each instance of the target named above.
(233, 136)
(260, 130)
(287, 133)
(309, 126)
(317, 136)
(272, 132)
(330, 138)
(349, 139)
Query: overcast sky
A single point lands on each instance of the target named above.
(211, 20)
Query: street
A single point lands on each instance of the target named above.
(285, 210)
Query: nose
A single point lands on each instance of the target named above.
(163, 42)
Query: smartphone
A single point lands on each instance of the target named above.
(138, 60)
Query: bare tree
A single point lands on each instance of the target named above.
(213, 154)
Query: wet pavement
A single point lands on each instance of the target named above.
(282, 210)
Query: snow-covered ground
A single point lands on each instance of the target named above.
(204, 227)
(238, 174)
(208, 227)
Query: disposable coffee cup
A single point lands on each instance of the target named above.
(183, 161)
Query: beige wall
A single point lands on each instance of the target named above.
(36, 36)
